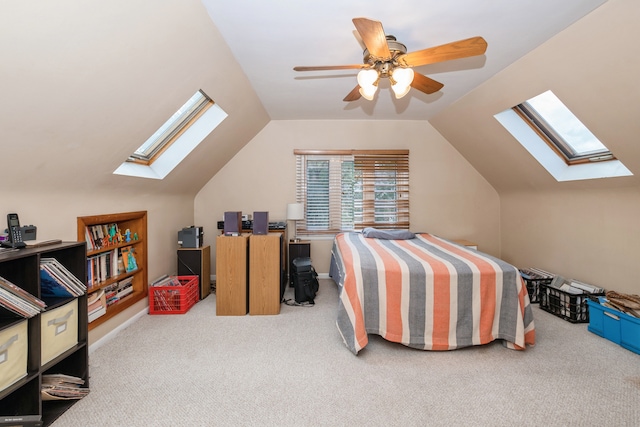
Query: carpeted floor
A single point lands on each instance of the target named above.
(200, 369)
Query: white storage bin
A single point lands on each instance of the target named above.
(59, 330)
(13, 353)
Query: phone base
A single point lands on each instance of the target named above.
(14, 245)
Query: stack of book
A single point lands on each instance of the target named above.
(97, 305)
(575, 287)
(62, 387)
(125, 287)
(19, 301)
(56, 281)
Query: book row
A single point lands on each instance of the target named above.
(107, 265)
(109, 295)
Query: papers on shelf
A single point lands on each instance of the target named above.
(57, 281)
(62, 387)
(19, 301)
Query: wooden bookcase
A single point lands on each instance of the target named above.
(21, 401)
(136, 223)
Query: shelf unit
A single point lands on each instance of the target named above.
(136, 223)
(232, 275)
(265, 274)
(23, 398)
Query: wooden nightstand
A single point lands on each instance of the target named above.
(467, 243)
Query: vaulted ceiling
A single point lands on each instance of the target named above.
(83, 85)
(269, 38)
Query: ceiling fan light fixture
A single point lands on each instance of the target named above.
(369, 92)
(401, 81)
(368, 77)
(368, 81)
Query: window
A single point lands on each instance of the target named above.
(348, 190)
(171, 129)
(562, 129)
(557, 139)
(175, 139)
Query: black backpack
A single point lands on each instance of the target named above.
(305, 281)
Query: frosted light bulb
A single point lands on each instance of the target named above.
(403, 78)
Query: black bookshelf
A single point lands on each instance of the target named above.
(21, 401)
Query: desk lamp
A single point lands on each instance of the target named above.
(295, 212)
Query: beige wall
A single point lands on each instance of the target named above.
(448, 196)
(587, 230)
(55, 215)
(592, 236)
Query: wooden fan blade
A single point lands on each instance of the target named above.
(354, 95)
(425, 84)
(373, 37)
(332, 67)
(446, 52)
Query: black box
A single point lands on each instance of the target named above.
(301, 265)
(191, 237)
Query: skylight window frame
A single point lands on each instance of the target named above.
(177, 124)
(555, 141)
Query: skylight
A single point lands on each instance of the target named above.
(559, 141)
(563, 129)
(167, 132)
(175, 139)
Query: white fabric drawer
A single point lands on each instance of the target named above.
(59, 330)
(13, 353)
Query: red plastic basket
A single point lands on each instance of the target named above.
(174, 299)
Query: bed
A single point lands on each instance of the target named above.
(427, 293)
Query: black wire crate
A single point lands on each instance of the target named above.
(533, 278)
(571, 307)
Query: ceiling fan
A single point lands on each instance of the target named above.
(385, 57)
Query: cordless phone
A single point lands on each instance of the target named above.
(15, 233)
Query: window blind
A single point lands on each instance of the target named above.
(349, 190)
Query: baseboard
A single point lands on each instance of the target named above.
(115, 331)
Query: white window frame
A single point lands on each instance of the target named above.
(360, 201)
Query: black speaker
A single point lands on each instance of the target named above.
(196, 262)
(260, 222)
(232, 223)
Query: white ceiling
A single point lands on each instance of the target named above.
(269, 38)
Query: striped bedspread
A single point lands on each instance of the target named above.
(427, 293)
